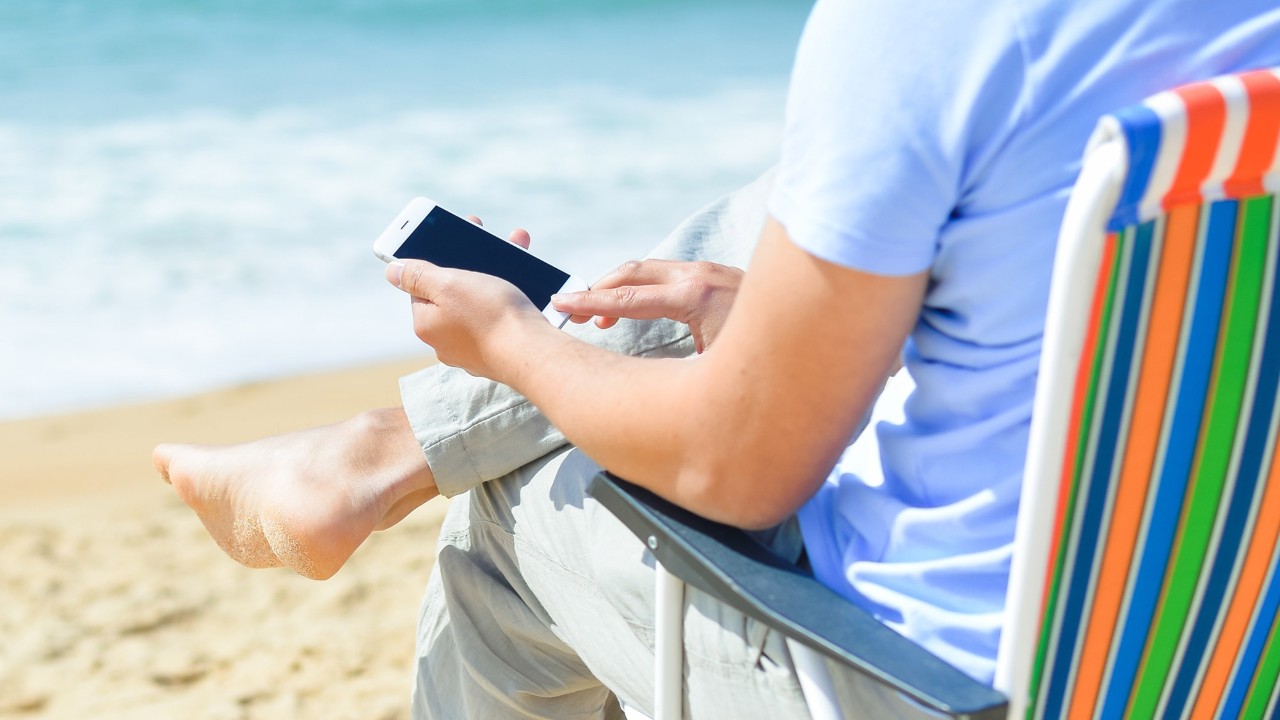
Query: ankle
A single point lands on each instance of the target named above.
(387, 442)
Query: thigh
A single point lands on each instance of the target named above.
(591, 581)
(485, 648)
(551, 602)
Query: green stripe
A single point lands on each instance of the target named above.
(1226, 396)
(1264, 680)
(1082, 446)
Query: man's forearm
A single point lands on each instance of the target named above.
(472, 430)
(745, 432)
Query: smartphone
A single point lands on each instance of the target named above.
(426, 231)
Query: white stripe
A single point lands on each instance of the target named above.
(1087, 487)
(1084, 487)
(1271, 178)
(1275, 701)
(1172, 111)
(1122, 446)
(1268, 458)
(1166, 430)
(1257, 624)
(1223, 603)
(1224, 162)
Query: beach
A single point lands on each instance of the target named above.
(115, 603)
(189, 193)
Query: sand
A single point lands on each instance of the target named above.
(115, 603)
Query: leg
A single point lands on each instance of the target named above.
(541, 606)
(307, 500)
(540, 595)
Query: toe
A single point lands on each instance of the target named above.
(160, 458)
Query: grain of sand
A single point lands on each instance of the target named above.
(115, 603)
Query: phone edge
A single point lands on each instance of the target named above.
(555, 317)
(398, 231)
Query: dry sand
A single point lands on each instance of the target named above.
(114, 603)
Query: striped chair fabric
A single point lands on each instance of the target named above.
(1163, 579)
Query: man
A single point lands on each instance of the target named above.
(929, 151)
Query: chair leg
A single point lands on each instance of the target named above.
(669, 645)
(815, 682)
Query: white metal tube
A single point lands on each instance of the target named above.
(815, 682)
(668, 644)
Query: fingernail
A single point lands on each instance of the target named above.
(394, 271)
(559, 298)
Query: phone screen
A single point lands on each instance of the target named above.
(450, 241)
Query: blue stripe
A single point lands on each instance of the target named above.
(1251, 653)
(1191, 392)
(1142, 129)
(1255, 446)
(1238, 691)
(1100, 475)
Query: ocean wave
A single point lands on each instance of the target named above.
(163, 254)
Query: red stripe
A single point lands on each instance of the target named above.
(1158, 357)
(1260, 134)
(1083, 371)
(1206, 116)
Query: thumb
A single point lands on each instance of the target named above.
(411, 276)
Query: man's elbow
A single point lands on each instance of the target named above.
(743, 495)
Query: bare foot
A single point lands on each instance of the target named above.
(305, 500)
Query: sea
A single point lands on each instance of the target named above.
(189, 189)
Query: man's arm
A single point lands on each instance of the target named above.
(744, 432)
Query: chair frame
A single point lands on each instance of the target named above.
(1079, 252)
(728, 564)
(820, 625)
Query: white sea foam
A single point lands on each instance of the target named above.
(167, 252)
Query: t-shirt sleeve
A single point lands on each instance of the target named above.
(894, 109)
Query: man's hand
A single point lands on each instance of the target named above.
(698, 294)
(459, 313)
(464, 316)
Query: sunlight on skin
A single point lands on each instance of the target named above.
(304, 500)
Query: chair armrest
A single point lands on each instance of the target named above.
(729, 565)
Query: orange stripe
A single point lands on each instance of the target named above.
(1077, 407)
(1260, 135)
(1206, 116)
(1163, 328)
(1248, 589)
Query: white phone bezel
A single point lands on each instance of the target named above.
(408, 220)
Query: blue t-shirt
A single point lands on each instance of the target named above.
(945, 135)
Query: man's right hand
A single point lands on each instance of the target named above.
(698, 294)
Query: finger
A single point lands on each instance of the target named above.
(476, 220)
(415, 277)
(641, 272)
(645, 302)
(520, 237)
(603, 323)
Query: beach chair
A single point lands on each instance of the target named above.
(1146, 576)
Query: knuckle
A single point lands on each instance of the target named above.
(446, 283)
(626, 296)
(415, 276)
(696, 288)
(631, 267)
